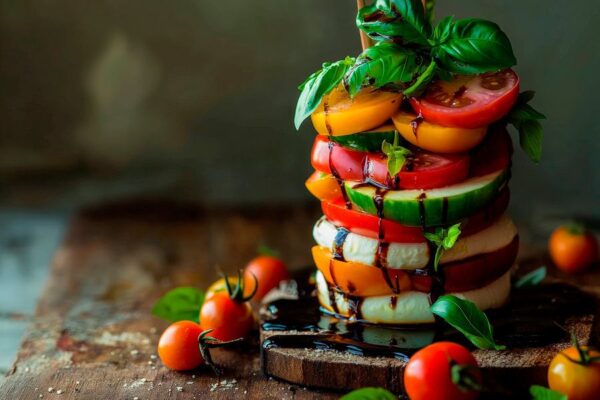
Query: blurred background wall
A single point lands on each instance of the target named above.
(194, 99)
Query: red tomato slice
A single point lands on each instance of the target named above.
(469, 101)
(493, 154)
(392, 232)
(422, 170)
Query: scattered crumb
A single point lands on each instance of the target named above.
(27, 369)
(59, 391)
(153, 330)
(50, 389)
(153, 356)
(77, 382)
(190, 383)
(134, 352)
(224, 385)
(149, 362)
(41, 396)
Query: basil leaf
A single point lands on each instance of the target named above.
(180, 304)
(473, 46)
(380, 65)
(317, 86)
(542, 393)
(531, 135)
(443, 239)
(467, 319)
(422, 81)
(441, 33)
(369, 394)
(401, 20)
(429, 13)
(533, 278)
(396, 155)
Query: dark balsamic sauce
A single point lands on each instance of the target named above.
(338, 244)
(532, 318)
(381, 254)
(415, 123)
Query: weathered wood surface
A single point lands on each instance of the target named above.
(93, 336)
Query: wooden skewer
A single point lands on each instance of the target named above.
(365, 40)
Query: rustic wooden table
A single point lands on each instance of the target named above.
(93, 336)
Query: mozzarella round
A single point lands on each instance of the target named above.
(363, 249)
(411, 307)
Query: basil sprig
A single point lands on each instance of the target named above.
(444, 239)
(467, 319)
(179, 304)
(320, 83)
(541, 393)
(369, 393)
(396, 155)
(526, 120)
(531, 279)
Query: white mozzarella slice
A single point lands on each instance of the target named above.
(363, 249)
(412, 307)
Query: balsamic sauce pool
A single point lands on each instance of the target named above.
(532, 318)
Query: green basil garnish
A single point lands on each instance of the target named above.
(369, 394)
(180, 304)
(542, 393)
(526, 120)
(531, 279)
(467, 319)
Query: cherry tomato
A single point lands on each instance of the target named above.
(437, 138)
(428, 374)
(572, 248)
(230, 319)
(219, 286)
(579, 381)
(393, 232)
(422, 170)
(323, 186)
(469, 101)
(178, 346)
(268, 270)
(338, 114)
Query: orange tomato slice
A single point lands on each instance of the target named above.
(358, 279)
(340, 115)
(323, 186)
(437, 138)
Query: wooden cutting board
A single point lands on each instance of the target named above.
(93, 336)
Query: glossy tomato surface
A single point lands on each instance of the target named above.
(572, 248)
(323, 186)
(422, 170)
(469, 101)
(227, 318)
(428, 374)
(269, 272)
(178, 346)
(577, 381)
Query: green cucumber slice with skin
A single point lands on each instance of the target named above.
(367, 141)
(427, 208)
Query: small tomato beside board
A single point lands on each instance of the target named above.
(576, 376)
(268, 271)
(178, 346)
(572, 248)
(442, 371)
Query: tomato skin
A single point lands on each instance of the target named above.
(424, 170)
(268, 270)
(487, 108)
(427, 375)
(344, 116)
(228, 319)
(577, 381)
(323, 186)
(178, 346)
(572, 251)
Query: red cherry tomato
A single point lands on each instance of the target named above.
(469, 101)
(229, 319)
(393, 232)
(178, 346)
(428, 374)
(268, 270)
(422, 170)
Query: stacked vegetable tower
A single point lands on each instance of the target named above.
(412, 163)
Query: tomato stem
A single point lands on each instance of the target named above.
(206, 343)
(237, 293)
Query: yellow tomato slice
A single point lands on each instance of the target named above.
(437, 138)
(358, 279)
(323, 186)
(339, 115)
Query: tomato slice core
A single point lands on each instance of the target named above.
(469, 101)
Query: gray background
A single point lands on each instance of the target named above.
(194, 99)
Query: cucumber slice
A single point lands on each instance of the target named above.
(369, 141)
(435, 207)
